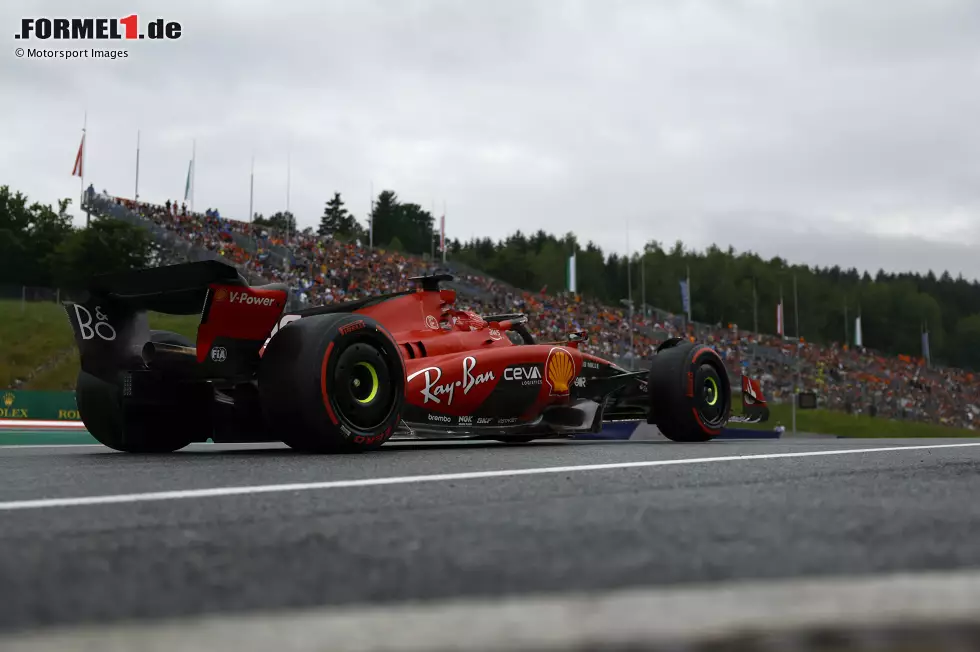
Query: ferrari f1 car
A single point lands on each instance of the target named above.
(350, 376)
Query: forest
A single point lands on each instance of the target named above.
(742, 288)
(726, 286)
(40, 247)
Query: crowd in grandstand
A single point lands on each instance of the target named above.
(323, 270)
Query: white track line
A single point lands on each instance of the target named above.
(271, 445)
(17, 446)
(779, 613)
(441, 477)
(30, 424)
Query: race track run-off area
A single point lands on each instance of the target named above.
(93, 537)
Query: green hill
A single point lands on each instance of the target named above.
(37, 347)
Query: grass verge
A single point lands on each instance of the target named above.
(38, 334)
(849, 425)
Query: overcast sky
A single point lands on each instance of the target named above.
(829, 132)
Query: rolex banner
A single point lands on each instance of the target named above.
(46, 406)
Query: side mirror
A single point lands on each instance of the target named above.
(578, 336)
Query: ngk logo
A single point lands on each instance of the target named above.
(87, 29)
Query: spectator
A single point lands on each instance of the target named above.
(321, 270)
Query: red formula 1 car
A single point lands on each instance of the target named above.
(350, 376)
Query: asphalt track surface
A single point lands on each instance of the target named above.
(420, 522)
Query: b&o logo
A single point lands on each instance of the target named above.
(101, 329)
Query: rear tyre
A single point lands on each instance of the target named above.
(332, 383)
(141, 428)
(690, 393)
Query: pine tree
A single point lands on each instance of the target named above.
(336, 221)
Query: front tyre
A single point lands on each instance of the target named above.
(332, 383)
(690, 393)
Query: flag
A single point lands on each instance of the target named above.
(925, 347)
(686, 296)
(858, 339)
(780, 325)
(77, 170)
(187, 186)
(571, 274)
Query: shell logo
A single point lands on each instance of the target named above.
(559, 370)
(221, 294)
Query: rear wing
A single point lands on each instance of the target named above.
(174, 289)
(112, 331)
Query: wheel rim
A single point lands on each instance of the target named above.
(710, 391)
(364, 394)
(712, 403)
(364, 383)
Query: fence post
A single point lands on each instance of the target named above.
(23, 299)
(57, 296)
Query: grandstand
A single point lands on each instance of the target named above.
(320, 270)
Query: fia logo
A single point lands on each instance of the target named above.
(219, 354)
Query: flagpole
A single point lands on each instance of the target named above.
(629, 271)
(251, 232)
(755, 308)
(193, 170)
(371, 219)
(88, 210)
(643, 283)
(443, 229)
(796, 376)
(796, 308)
(629, 289)
(251, 191)
(432, 235)
(289, 170)
(690, 301)
(136, 194)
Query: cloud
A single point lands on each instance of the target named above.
(828, 132)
